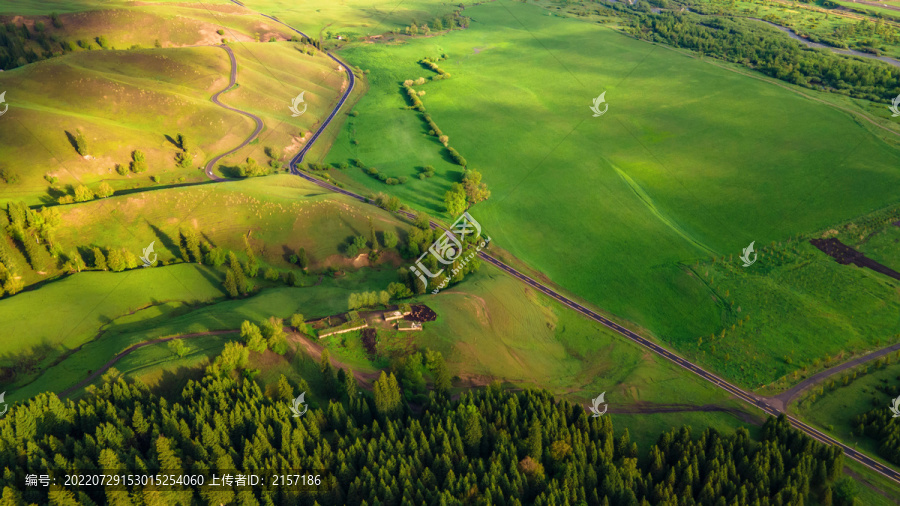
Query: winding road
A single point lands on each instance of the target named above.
(748, 397)
(215, 98)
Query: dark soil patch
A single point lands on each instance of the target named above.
(421, 313)
(368, 340)
(846, 255)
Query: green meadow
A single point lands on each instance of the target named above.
(122, 100)
(357, 18)
(690, 161)
(277, 214)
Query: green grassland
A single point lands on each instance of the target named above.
(834, 409)
(690, 161)
(354, 18)
(790, 310)
(124, 100)
(279, 213)
(493, 327)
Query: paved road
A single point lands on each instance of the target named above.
(215, 98)
(659, 350)
(787, 396)
(299, 156)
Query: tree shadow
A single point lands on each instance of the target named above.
(232, 171)
(53, 195)
(287, 253)
(208, 274)
(171, 383)
(173, 141)
(72, 140)
(166, 241)
(14, 366)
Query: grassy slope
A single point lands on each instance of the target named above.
(675, 129)
(123, 100)
(354, 17)
(282, 214)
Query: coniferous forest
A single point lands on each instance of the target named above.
(491, 446)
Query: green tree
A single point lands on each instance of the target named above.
(99, 259)
(231, 284)
(299, 323)
(302, 260)
(455, 200)
(104, 190)
(178, 348)
(390, 239)
(471, 428)
(439, 371)
(138, 162)
(234, 356)
(116, 260)
(83, 193)
(476, 191)
(328, 374)
(360, 242)
(81, 145)
(388, 400)
(252, 263)
(535, 440)
(253, 337)
(273, 332)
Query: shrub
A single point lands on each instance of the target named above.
(9, 176)
(391, 181)
(121, 169)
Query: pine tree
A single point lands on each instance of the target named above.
(231, 284)
(99, 259)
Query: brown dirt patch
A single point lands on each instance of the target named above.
(421, 313)
(368, 340)
(846, 255)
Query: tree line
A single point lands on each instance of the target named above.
(879, 424)
(491, 446)
(20, 45)
(765, 49)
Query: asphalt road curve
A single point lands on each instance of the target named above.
(215, 98)
(299, 156)
(659, 350)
